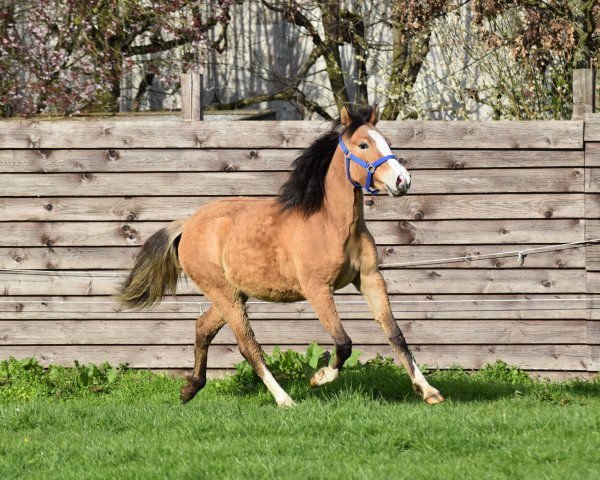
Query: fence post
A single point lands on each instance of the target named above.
(584, 98)
(583, 92)
(191, 96)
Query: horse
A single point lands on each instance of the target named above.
(305, 244)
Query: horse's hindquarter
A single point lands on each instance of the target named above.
(240, 240)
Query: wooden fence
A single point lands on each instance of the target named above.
(80, 197)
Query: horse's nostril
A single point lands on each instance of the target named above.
(400, 181)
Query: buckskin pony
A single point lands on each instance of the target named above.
(306, 243)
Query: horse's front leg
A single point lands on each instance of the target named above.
(371, 284)
(322, 302)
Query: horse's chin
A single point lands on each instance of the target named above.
(396, 192)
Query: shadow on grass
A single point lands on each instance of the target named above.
(391, 384)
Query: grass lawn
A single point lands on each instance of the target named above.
(87, 422)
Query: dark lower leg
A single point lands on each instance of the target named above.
(324, 306)
(420, 384)
(207, 326)
(343, 350)
(373, 288)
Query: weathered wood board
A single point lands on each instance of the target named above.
(425, 256)
(251, 159)
(436, 232)
(409, 207)
(116, 134)
(401, 281)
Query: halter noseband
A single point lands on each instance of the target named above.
(369, 167)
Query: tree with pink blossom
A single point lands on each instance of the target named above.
(70, 56)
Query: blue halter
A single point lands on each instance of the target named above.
(369, 167)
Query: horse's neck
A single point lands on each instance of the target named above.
(343, 202)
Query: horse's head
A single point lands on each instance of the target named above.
(370, 163)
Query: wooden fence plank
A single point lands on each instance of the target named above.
(593, 306)
(408, 207)
(110, 133)
(535, 357)
(484, 281)
(592, 180)
(593, 257)
(256, 159)
(594, 362)
(268, 183)
(592, 229)
(592, 127)
(583, 92)
(172, 160)
(115, 258)
(460, 232)
(471, 206)
(285, 332)
(398, 281)
(592, 154)
(404, 307)
(593, 282)
(456, 232)
(592, 206)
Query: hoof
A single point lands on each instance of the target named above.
(189, 391)
(323, 376)
(434, 398)
(186, 395)
(286, 403)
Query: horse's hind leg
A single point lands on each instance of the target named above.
(207, 326)
(324, 306)
(232, 308)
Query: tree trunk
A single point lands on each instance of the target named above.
(583, 17)
(331, 52)
(407, 59)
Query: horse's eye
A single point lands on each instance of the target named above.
(363, 146)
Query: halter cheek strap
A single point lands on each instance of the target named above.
(369, 167)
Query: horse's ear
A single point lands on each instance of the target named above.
(374, 116)
(345, 116)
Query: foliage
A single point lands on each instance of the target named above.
(288, 365)
(27, 379)
(501, 372)
(510, 58)
(61, 56)
(540, 43)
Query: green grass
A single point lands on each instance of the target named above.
(99, 422)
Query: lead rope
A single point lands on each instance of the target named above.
(520, 254)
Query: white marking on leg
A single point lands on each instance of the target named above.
(430, 394)
(281, 397)
(324, 375)
(419, 377)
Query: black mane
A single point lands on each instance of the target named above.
(305, 189)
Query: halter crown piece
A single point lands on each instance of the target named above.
(369, 167)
